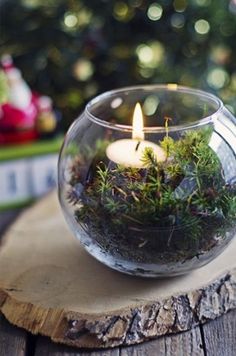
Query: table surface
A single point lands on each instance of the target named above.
(216, 338)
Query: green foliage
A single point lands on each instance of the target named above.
(153, 197)
(149, 159)
(168, 145)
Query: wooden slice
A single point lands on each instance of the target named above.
(50, 285)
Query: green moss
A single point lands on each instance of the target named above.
(184, 191)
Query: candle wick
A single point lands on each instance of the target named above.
(137, 146)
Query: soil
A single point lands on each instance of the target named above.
(166, 248)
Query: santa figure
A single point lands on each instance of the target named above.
(26, 115)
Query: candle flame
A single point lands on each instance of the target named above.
(137, 132)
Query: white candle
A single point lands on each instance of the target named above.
(130, 152)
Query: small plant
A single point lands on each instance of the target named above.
(164, 206)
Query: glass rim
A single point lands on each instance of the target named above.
(165, 87)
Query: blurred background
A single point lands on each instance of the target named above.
(73, 50)
(66, 52)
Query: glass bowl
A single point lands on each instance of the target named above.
(147, 179)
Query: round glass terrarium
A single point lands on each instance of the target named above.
(147, 179)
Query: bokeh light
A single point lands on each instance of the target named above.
(202, 27)
(154, 12)
(220, 54)
(83, 69)
(84, 17)
(150, 55)
(180, 5)
(122, 12)
(217, 78)
(145, 54)
(70, 20)
(177, 20)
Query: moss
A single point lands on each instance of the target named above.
(181, 195)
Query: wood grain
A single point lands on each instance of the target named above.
(51, 286)
(188, 343)
(220, 336)
(12, 340)
(184, 344)
(45, 347)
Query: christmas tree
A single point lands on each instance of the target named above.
(74, 50)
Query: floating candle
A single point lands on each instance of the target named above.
(129, 152)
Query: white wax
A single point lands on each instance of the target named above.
(129, 153)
